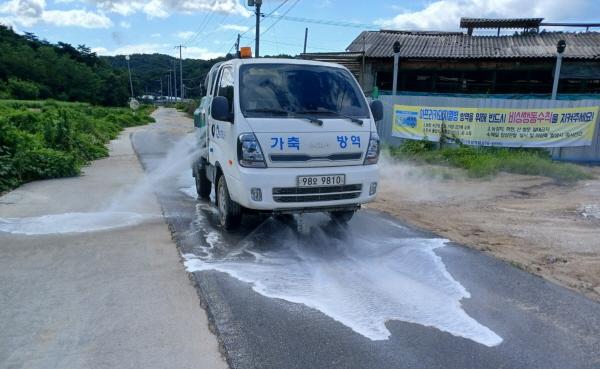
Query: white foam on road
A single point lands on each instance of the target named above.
(126, 208)
(186, 184)
(361, 284)
(72, 222)
(590, 211)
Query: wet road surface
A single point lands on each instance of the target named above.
(304, 292)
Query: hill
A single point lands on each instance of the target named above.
(148, 69)
(31, 68)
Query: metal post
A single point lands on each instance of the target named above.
(170, 92)
(174, 81)
(181, 72)
(258, 3)
(129, 70)
(395, 83)
(362, 65)
(305, 39)
(556, 75)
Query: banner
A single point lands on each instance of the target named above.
(531, 127)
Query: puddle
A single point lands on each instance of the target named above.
(72, 222)
(357, 277)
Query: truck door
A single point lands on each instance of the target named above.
(222, 142)
(211, 92)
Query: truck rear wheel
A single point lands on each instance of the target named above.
(203, 185)
(230, 213)
(342, 216)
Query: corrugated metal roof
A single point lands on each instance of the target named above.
(349, 60)
(502, 22)
(378, 44)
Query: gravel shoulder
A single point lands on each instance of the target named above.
(547, 229)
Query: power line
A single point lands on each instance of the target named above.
(326, 22)
(207, 18)
(197, 40)
(290, 44)
(266, 16)
(279, 17)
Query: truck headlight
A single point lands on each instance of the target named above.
(249, 152)
(372, 155)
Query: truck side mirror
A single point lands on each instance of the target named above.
(220, 109)
(377, 110)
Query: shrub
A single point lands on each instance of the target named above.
(42, 163)
(488, 161)
(20, 89)
(53, 139)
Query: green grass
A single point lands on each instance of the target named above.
(188, 106)
(51, 139)
(481, 162)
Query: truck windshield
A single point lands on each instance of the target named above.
(289, 90)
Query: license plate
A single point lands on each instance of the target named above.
(322, 180)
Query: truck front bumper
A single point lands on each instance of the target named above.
(279, 191)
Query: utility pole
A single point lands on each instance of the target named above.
(257, 4)
(237, 45)
(181, 70)
(305, 38)
(174, 80)
(396, 48)
(169, 84)
(129, 70)
(560, 49)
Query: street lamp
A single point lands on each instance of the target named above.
(396, 48)
(560, 49)
(129, 70)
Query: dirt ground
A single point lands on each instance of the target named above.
(547, 229)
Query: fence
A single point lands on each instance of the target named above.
(580, 154)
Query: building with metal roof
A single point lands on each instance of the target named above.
(466, 63)
(378, 44)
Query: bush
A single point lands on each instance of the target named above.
(20, 89)
(43, 163)
(52, 139)
(488, 161)
(188, 107)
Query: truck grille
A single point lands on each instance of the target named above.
(291, 158)
(312, 194)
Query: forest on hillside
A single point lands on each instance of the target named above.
(31, 69)
(147, 70)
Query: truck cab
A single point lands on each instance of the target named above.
(286, 136)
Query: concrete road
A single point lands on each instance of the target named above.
(307, 293)
(116, 296)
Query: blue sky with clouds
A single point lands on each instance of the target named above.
(208, 28)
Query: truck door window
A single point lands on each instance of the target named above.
(226, 86)
(215, 82)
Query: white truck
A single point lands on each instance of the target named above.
(286, 136)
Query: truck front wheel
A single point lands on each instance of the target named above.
(203, 185)
(230, 213)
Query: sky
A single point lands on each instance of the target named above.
(208, 28)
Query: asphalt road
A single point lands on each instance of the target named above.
(307, 293)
